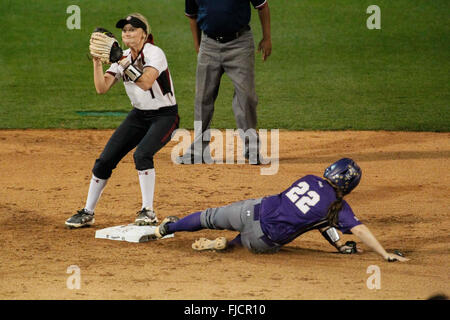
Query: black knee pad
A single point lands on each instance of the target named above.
(142, 161)
(206, 219)
(102, 169)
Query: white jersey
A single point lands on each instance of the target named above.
(162, 93)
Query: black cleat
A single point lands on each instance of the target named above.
(146, 217)
(81, 219)
(161, 230)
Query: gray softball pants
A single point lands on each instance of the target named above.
(239, 216)
(237, 59)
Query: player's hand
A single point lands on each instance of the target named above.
(349, 250)
(265, 47)
(350, 247)
(392, 257)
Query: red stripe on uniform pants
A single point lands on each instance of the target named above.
(172, 128)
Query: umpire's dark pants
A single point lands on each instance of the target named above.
(148, 130)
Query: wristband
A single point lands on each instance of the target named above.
(331, 235)
(133, 73)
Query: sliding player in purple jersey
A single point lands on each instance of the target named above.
(266, 224)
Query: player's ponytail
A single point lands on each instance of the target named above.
(334, 209)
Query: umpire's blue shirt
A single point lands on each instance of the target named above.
(222, 17)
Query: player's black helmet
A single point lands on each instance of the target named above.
(344, 174)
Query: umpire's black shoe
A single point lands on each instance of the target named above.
(81, 219)
(161, 231)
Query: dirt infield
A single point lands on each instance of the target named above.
(403, 198)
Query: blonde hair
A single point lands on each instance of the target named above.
(143, 19)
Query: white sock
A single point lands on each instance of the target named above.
(147, 182)
(95, 191)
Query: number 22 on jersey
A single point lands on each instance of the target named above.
(303, 198)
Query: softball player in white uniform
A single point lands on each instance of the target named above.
(148, 126)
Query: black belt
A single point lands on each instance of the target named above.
(264, 238)
(228, 37)
(161, 111)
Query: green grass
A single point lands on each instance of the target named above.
(327, 70)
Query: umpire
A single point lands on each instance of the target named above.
(224, 43)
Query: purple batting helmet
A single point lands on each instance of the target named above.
(344, 174)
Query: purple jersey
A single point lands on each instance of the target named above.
(282, 216)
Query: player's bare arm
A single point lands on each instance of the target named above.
(367, 237)
(145, 82)
(265, 45)
(103, 82)
(103, 49)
